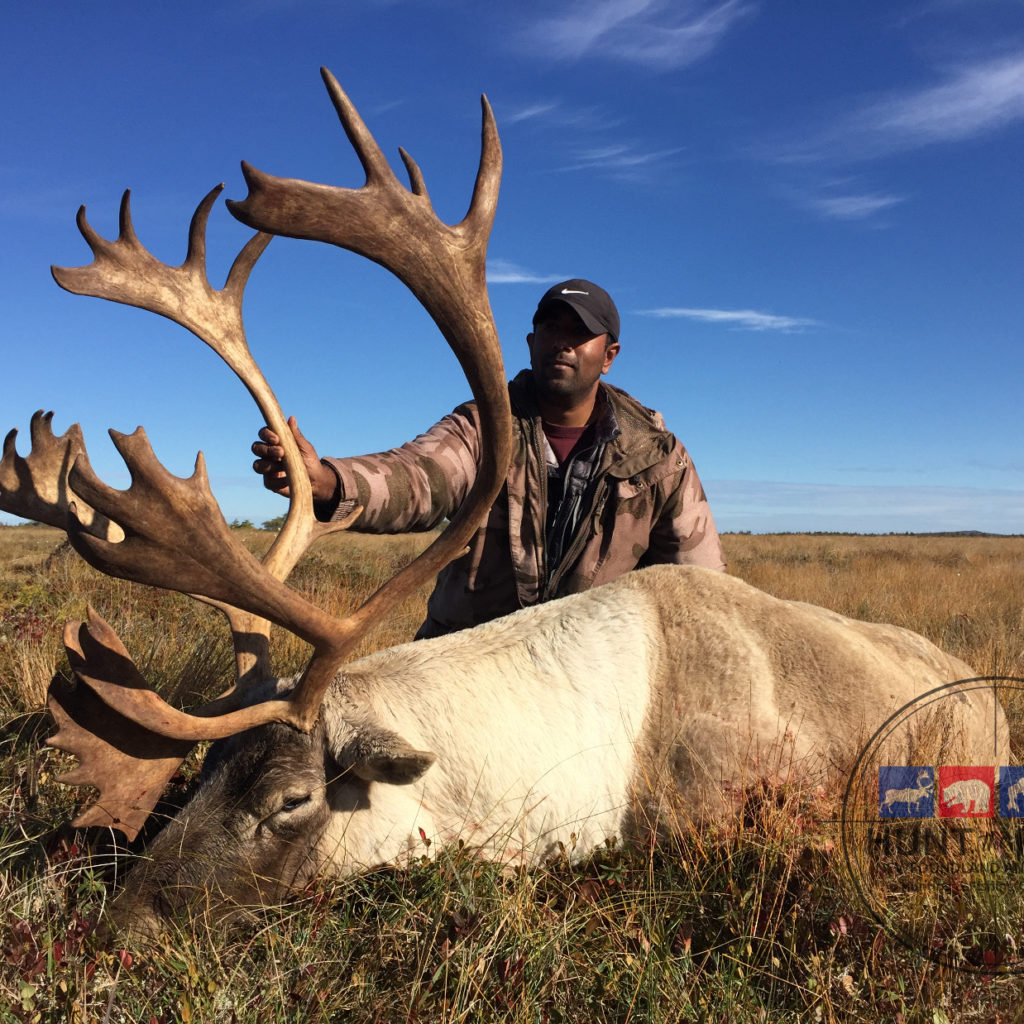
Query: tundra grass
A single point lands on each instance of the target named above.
(754, 920)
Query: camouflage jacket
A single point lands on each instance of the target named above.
(645, 505)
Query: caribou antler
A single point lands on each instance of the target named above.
(174, 534)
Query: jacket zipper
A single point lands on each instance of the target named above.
(579, 542)
(542, 542)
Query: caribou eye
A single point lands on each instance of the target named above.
(295, 802)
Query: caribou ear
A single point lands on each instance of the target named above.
(374, 753)
(398, 768)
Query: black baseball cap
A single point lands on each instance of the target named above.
(592, 304)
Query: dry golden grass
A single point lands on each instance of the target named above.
(965, 594)
(26, 547)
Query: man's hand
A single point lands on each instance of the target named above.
(270, 464)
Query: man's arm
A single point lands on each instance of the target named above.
(685, 533)
(414, 487)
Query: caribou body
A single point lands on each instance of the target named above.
(643, 706)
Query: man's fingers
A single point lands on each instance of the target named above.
(269, 469)
(270, 461)
(269, 444)
(270, 486)
(306, 450)
(271, 452)
(274, 479)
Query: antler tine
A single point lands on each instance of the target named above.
(416, 183)
(37, 487)
(370, 155)
(484, 203)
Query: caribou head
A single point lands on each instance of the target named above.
(168, 532)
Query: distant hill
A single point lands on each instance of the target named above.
(963, 533)
(890, 533)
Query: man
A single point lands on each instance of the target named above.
(597, 485)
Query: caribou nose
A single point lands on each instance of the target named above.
(136, 921)
(143, 928)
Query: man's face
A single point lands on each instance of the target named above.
(567, 358)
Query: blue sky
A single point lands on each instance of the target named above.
(810, 215)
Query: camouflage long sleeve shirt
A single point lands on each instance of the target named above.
(644, 504)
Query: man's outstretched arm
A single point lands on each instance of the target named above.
(413, 487)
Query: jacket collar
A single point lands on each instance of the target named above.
(635, 436)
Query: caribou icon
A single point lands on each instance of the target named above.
(1014, 793)
(910, 796)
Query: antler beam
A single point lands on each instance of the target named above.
(123, 270)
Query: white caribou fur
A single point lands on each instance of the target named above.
(642, 703)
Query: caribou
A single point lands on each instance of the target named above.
(641, 707)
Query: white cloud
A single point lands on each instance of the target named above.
(620, 160)
(741, 319)
(506, 272)
(974, 100)
(853, 207)
(529, 113)
(656, 33)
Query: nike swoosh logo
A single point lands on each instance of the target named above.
(569, 291)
